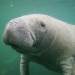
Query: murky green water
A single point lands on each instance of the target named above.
(61, 9)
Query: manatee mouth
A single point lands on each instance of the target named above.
(15, 46)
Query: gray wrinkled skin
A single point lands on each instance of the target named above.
(44, 40)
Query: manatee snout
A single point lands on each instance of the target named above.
(18, 35)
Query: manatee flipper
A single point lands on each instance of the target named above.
(67, 65)
(24, 65)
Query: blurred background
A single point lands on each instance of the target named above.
(9, 59)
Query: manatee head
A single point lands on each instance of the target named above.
(26, 34)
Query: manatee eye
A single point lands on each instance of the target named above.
(42, 24)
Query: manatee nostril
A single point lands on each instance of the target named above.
(13, 23)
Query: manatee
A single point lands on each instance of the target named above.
(44, 40)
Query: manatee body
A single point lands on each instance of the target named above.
(44, 40)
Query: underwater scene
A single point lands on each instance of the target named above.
(10, 59)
